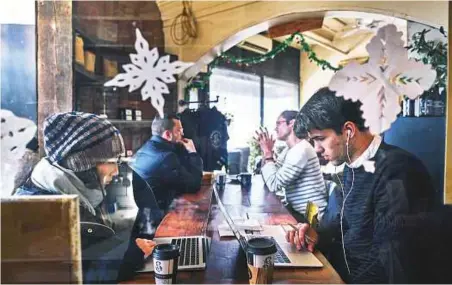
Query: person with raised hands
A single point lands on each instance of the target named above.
(294, 176)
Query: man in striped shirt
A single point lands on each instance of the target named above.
(295, 175)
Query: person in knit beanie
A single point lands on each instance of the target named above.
(82, 154)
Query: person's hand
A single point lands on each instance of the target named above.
(188, 144)
(146, 245)
(303, 237)
(266, 142)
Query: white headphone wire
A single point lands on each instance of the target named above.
(343, 204)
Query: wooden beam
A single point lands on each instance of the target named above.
(54, 59)
(296, 26)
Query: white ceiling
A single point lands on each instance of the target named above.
(349, 35)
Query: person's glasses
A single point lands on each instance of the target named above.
(280, 122)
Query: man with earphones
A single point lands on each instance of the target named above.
(374, 233)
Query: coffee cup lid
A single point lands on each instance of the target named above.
(261, 246)
(165, 251)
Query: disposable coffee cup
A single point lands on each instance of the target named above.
(261, 259)
(165, 258)
(245, 180)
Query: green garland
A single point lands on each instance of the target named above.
(434, 53)
(201, 82)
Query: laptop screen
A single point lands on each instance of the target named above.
(238, 235)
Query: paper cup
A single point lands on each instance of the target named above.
(261, 259)
(165, 258)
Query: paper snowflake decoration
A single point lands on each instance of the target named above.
(387, 75)
(16, 132)
(149, 71)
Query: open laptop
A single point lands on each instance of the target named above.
(287, 254)
(193, 252)
(193, 249)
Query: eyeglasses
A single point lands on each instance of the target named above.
(280, 122)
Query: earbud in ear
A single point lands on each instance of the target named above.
(349, 133)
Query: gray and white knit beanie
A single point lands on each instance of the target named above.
(78, 141)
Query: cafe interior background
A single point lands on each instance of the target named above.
(245, 67)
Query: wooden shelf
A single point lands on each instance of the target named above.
(89, 76)
(91, 42)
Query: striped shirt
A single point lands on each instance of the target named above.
(296, 178)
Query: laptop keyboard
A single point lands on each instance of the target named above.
(189, 251)
(280, 256)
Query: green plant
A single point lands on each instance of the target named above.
(255, 151)
(434, 53)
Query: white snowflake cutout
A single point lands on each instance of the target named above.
(147, 68)
(387, 75)
(16, 132)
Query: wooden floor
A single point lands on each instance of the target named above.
(198, 214)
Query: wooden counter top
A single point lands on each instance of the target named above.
(198, 214)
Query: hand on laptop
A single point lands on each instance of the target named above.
(304, 237)
(146, 246)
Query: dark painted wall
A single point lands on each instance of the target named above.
(285, 66)
(425, 138)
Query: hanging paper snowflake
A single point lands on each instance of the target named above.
(387, 75)
(147, 68)
(16, 132)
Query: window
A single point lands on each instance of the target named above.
(279, 96)
(240, 95)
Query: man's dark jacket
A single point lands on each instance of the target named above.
(168, 169)
(161, 171)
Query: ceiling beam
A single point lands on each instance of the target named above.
(323, 43)
(295, 26)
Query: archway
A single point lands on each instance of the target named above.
(222, 27)
(254, 26)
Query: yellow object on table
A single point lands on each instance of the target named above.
(312, 214)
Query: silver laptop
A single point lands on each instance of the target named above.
(193, 252)
(287, 254)
(193, 249)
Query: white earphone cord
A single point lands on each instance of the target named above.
(343, 203)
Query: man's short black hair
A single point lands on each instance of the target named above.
(324, 110)
(159, 125)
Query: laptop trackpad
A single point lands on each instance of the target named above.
(297, 258)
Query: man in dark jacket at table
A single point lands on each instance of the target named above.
(165, 167)
(168, 162)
